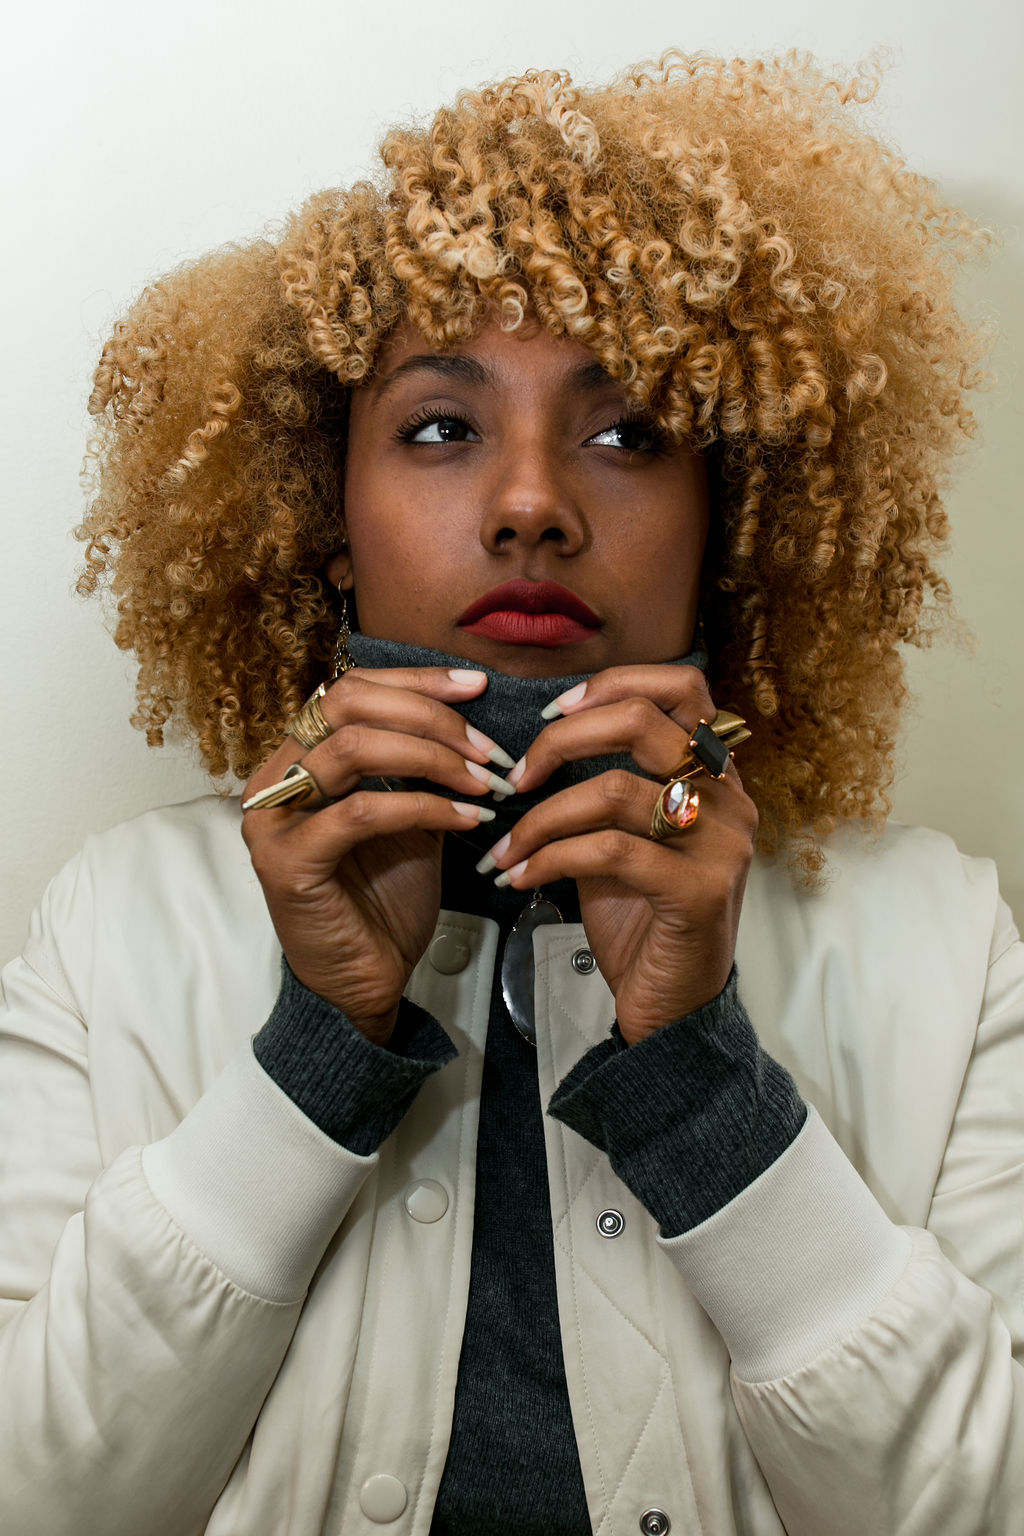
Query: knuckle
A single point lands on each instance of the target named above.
(642, 716)
(344, 744)
(617, 787)
(360, 809)
(614, 846)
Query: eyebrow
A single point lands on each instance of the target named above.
(462, 370)
(587, 377)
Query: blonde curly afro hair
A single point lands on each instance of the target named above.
(765, 278)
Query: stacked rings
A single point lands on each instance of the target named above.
(309, 725)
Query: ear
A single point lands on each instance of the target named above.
(338, 569)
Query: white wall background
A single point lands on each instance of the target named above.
(137, 135)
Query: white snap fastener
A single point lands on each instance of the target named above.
(655, 1522)
(382, 1498)
(426, 1200)
(610, 1223)
(448, 954)
(584, 962)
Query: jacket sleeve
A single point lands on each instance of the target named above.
(146, 1305)
(872, 1376)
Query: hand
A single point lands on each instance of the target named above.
(661, 917)
(354, 885)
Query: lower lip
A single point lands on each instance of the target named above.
(548, 630)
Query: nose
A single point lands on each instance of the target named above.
(531, 502)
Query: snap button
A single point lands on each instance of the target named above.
(655, 1522)
(426, 1200)
(610, 1223)
(382, 1498)
(584, 962)
(448, 954)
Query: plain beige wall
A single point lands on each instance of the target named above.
(139, 135)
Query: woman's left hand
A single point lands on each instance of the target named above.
(661, 916)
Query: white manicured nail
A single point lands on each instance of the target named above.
(489, 860)
(563, 702)
(485, 744)
(508, 875)
(477, 813)
(517, 771)
(466, 677)
(496, 785)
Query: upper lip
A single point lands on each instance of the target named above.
(523, 596)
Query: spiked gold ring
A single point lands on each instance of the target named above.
(297, 786)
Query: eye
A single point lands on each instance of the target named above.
(632, 435)
(437, 427)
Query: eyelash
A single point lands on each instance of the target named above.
(658, 440)
(426, 418)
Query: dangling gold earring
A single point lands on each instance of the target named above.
(342, 659)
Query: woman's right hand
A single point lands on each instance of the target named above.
(354, 886)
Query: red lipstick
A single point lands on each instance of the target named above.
(531, 613)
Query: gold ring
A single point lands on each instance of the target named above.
(675, 809)
(309, 724)
(297, 785)
(711, 745)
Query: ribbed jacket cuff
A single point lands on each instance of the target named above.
(354, 1091)
(690, 1116)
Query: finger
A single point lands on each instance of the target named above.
(635, 725)
(381, 699)
(681, 692)
(316, 842)
(611, 853)
(623, 800)
(358, 752)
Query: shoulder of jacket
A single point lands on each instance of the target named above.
(139, 878)
(895, 876)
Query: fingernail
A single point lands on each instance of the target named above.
(467, 677)
(498, 786)
(485, 744)
(518, 769)
(477, 812)
(563, 702)
(508, 875)
(490, 860)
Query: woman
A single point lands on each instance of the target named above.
(593, 371)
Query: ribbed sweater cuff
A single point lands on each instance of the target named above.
(354, 1091)
(690, 1116)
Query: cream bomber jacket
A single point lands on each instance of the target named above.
(217, 1320)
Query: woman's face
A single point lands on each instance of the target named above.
(502, 504)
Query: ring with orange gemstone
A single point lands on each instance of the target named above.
(675, 809)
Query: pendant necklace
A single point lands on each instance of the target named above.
(518, 967)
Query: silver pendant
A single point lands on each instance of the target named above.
(517, 964)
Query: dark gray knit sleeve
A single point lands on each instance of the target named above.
(355, 1091)
(688, 1117)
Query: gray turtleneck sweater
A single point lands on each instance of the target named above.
(688, 1119)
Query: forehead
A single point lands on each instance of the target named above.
(491, 357)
